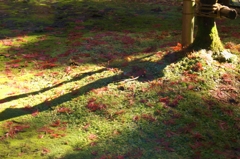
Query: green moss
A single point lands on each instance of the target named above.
(216, 45)
(207, 36)
(151, 107)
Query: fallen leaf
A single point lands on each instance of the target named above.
(178, 47)
(64, 110)
(92, 137)
(56, 123)
(45, 151)
(35, 113)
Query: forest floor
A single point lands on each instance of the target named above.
(108, 80)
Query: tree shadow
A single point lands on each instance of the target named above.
(184, 132)
(70, 13)
(199, 127)
(31, 18)
(66, 24)
(76, 78)
(136, 72)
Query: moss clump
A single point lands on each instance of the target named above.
(207, 36)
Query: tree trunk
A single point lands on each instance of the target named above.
(207, 34)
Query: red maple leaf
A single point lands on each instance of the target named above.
(64, 110)
(45, 151)
(68, 69)
(136, 118)
(47, 65)
(39, 74)
(57, 135)
(20, 39)
(56, 123)
(196, 145)
(170, 133)
(119, 112)
(197, 136)
(28, 108)
(13, 129)
(15, 65)
(128, 40)
(93, 105)
(85, 127)
(92, 137)
(7, 42)
(164, 100)
(35, 112)
(197, 67)
(46, 130)
(178, 47)
(223, 125)
(227, 78)
(169, 122)
(100, 90)
(148, 117)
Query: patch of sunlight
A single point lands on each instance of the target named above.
(31, 91)
(18, 42)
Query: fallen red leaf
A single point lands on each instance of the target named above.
(15, 65)
(136, 118)
(92, 137)
(13, 129)
(21, 39)
(178, 47)
(170, 133)
(68, 69)
(14, 61)
(56, 123)
(128, 40)
(35, 113)
(223, 125)
(227, 78)
(93, 105)
(45, 151)
(47, 65)
(148, 117)
(64, 110)
(197, 67)
(56, 135)
(196, 145)
(28, 108)
(39, 74)
(7, 42)
(46, 130)
(100, 90)
(197, 136)
(164, 100)
(169, 122)
(119, 112)
(85, 127)
(40, 136)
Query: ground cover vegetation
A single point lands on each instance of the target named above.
(108, 79)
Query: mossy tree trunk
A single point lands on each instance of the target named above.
(207, 34)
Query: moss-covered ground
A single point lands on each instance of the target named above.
(108, 80)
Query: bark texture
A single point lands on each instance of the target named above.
(207, 34)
